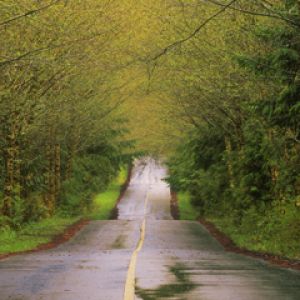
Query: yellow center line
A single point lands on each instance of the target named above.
(129, 293)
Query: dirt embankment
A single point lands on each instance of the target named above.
(174, 206)
(57, 240)
(229, 245)
(115, 212)
(71, 230)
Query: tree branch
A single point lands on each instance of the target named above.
(194, 33)
(51, 47)
(28, 13)
(273, 14)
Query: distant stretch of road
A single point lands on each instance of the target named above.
(145, 254)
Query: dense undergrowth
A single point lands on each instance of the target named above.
(62, 129)
(237, 192)
(274, 231)
(240, 162)
(104, 203)
(219, 79)
(33, 234)
(186, 210)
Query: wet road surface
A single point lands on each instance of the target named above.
(147, 253)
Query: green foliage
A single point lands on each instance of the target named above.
(195, 168)
(104, 203)
(272, 230)
(61, 124)
(42, 231)
(35, 209)
(92, 173)
(33, 234)
(240, 162)
(187, 210)
(18, 209)
(231, 110)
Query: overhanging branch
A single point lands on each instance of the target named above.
(195, 32)
(28, 13)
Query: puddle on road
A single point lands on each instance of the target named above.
(119, 242)
(182, 286)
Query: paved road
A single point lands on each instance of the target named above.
(145, 249)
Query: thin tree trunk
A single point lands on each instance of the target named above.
(57, 171)
(49, 196)
(47, 175)
(52, 188)
(72, 148)
(69, 164)
(8, 182)
(12, 167)
(228, 148)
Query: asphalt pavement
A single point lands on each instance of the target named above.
(145, 254)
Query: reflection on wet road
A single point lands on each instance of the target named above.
(175, 259)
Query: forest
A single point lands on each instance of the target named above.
(211, 86)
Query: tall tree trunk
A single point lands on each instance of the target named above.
(57, 171)
(52, 199)
(72, 148)
(228, 148)
(9, 181)
(274, 170)
(69, 163)
(50, 193)
(12, 166)
(47, 175)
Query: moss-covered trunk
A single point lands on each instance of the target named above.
(11, 152)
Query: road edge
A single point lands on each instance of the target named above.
(115, 212)
(57, 240)
(72, 229)
(174, 208)
(229, 244)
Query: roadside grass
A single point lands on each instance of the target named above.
(35, 234)
(105, 202)
(276, 231)
(186, 210)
